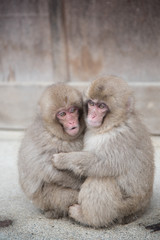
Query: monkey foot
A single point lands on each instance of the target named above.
(75, 212)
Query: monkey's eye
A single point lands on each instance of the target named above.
(91, 103)
(62, 114)
(72, 109)
(102, 105)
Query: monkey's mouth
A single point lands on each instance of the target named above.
(94, 122)
(73, 131)
(73, 128)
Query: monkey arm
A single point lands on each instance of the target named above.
(61, 178)
(87, 164)
(65, 179)
(70, 161)
(37, 168)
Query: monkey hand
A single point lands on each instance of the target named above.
(72, 161)
(60, 161)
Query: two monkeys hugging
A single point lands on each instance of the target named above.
(89, 158)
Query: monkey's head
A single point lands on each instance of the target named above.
(62, 111)
(108, 102)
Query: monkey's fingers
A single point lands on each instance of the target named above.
(56, 161)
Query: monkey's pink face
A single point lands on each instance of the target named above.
(69, 118)
(96, 113)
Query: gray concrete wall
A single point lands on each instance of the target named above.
(42, 42)
(58, 40)
(25, 41)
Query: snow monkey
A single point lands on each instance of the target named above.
(57, 127)
(117, 157)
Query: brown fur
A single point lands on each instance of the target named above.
(51, 190)
(117, 159)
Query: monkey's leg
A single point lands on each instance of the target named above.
(55, 200)
(99, 201)
(102, 203)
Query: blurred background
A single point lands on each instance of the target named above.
(74, 41)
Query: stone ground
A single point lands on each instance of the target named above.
(28, 223)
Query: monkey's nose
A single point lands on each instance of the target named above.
(72, 123)
(93, 116)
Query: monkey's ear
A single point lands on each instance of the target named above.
(130, 104)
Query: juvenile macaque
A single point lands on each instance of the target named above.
(117, 158)
(58, 127)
